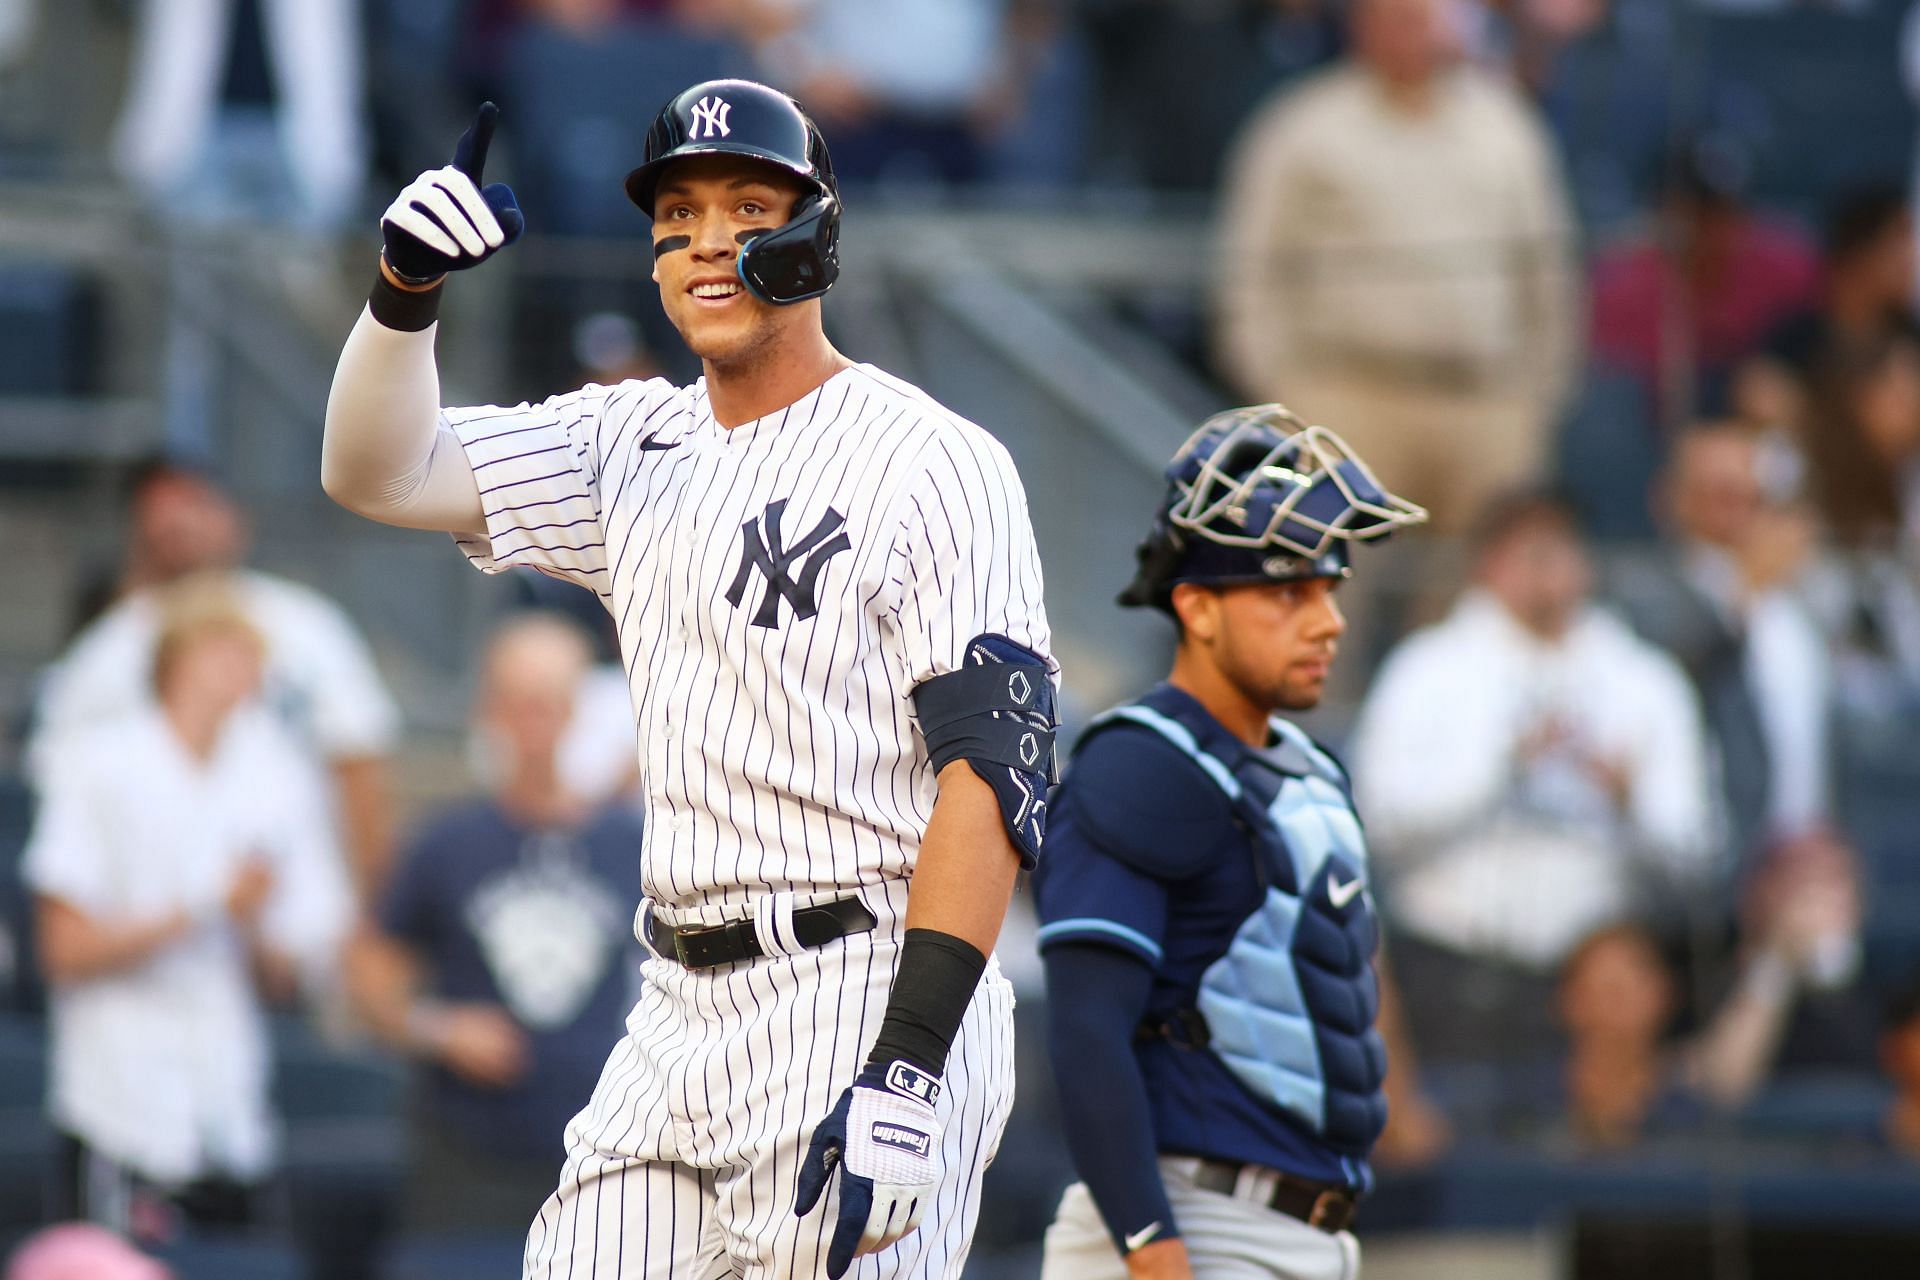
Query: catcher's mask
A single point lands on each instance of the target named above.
(1257, 495)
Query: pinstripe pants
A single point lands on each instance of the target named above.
(684, 1162)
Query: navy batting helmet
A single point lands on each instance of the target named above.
(792, 262)
(1257, 495)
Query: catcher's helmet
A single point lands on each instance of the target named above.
(1257, 495)
(790, 263)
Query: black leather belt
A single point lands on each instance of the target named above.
(704, 946)
(1324, 1205)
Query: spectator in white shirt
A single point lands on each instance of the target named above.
(284, 140)
(177, 862)
(319, 682)
(1529, 770)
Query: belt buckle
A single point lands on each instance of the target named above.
(1331, 1211)
(688, 948)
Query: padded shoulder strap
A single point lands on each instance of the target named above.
(1316, 757)
(1176, 733)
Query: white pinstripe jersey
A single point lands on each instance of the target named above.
(780, 588)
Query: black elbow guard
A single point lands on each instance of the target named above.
(997, 713)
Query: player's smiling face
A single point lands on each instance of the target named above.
(704, 208)
(1274, 642)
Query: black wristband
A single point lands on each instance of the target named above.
(931, 991)
(408, 310)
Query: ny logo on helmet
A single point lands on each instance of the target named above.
(710, 114)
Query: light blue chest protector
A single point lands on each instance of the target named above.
(1290, 1007)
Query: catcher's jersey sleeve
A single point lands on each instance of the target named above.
(547, 473)
(1133, 821)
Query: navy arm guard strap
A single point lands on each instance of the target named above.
(996, 713)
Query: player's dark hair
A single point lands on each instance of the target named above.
(1858, 219)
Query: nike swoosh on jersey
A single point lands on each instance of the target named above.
(654, 442)
(1341, 894)
(1143, 1236)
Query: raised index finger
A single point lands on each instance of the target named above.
(470, 153)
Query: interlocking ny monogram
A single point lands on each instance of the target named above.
(711, 114)
(822, 543)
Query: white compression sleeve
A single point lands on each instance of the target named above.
(385, 455)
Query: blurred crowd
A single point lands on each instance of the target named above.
(1634, 734)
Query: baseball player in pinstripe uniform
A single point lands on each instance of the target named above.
(828, 600)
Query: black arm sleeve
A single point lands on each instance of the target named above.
(931, 990)
(1095, 998)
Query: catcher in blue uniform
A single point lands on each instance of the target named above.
(1205, 918)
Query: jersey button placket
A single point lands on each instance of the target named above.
(691, 538)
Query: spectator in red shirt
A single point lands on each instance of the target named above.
(1680, 304)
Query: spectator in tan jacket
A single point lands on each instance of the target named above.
(1396, 261)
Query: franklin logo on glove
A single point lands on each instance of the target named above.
(893, 1135)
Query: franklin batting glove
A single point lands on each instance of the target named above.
(882, 1135)
(444, 220)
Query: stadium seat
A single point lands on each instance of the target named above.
(1496, 1187)
(450, 1258)
(1782, 81)
(26, 1139)
(20, 988)
(1878, 777)
(581, 109)
(1607, 454)
(47, 319)
(1833, 1108)
(345, 1150)
(1610, 104)
(233, 1259)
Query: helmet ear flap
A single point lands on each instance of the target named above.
(797, 260)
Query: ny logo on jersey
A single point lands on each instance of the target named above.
(760, 549)
(710, 114)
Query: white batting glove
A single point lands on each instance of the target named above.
(444, 220)
(884, 1135)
